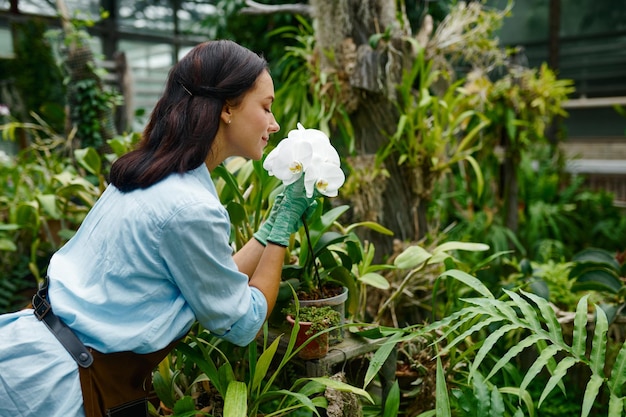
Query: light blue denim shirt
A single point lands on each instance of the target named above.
(145, 264)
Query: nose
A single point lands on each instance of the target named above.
(274, 126)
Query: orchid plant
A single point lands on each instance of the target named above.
(307, 152)
(307, 155)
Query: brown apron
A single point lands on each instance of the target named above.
(120, 383)
(115, 384)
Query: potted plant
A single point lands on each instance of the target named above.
(312, 325)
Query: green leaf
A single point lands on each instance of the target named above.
(598, 347)
(549, 316)
(598, 280)
(616, 406)
(497, 403)
(392, 402)
(411, 257)
(488, 344)
(580, 328)
(557, 375)
(236, 400)
(89, 159)
(7, 245)
(442, 404)
(468, 280)
(591, 392)
(618, 373)
(529, 313)
(379, 358)
(375, 280)
(513, 352)
(466, 246)
(342, 386)
(48, 204)
(185, 406)
(598, 256)
(546, 355)
(263, 364)
(523, 396)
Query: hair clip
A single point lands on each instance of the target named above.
(185, 88)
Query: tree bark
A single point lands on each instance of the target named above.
(343, 31)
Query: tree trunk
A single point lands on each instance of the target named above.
(369, 78)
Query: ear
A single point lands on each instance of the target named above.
(226, 114)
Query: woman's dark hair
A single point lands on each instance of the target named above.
(185, 120)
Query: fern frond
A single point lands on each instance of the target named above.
(598, 347)
(470, 281)
(616, 405)
(548, 314)
(557, 376)
(580, 328)
(539, 364)
(488, 343)
(591, 392)
(476, 327)
(618, 373)
(528, 311)
(513, 352)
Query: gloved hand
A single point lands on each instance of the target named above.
(289, 213)
(265, 229)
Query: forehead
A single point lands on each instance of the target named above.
(263, 86)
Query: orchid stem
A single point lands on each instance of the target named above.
(308, 239)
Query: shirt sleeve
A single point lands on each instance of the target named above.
(197, 254)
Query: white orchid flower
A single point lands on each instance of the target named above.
(307, 151)
(288, 160)
(325, 177)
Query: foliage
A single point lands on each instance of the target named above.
(471, 334)
(321, 318)
(246, 381)
(45, 197)
(36, 75)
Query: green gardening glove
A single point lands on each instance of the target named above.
(265, 229)
(288, 218)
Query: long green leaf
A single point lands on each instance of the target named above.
(392, 401)
(538, 365)
(557, 376)
(342, 386)
(598, 347)
(580, 328)
(476, 327)
(236, 400)
(549, 316)
(488, 344)
(523, 395)
(497, 403)
(529, 313)
(591, 392)
(411, 257)
(513, 352)
(468, 280)
(263, 364)
(381, 355)
(616, 405)
(442, 405)
(618, 373)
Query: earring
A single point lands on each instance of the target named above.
(229, 121)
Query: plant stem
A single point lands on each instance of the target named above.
(308, 239)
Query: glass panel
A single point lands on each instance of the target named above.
(6, 42)
(528, 21)
(155, 16)
(41, 7)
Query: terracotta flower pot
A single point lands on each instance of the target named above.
(316, 347)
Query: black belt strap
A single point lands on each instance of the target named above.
(43, 311)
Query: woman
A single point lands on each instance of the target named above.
(153, 254)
